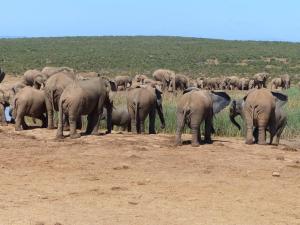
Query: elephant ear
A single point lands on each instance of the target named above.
(220, 100)
(280, 98)
(190, 89)
(2, 75)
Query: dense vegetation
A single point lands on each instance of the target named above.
(131, 55)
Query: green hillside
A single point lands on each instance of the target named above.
(130, 55)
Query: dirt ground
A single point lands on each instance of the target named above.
(143, 179)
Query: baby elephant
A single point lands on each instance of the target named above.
(120, 117)
(196, 106)
(142, 101)
(29, 102)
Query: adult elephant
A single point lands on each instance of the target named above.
(259, 111)
(286, 81)
(54, 87)
(143, 101)
(276, 83)
(85, 97)
(178, 81)
(243, 84)
(232, 82)
(163, 76)
(29, 102)
(123, 81)
(260, 80)
(196, 106)
(237, 109)
(34, 78)
(2, 75)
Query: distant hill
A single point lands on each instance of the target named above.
(131, 55)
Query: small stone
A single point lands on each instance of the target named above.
(276, 174)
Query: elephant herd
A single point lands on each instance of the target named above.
(73, 95)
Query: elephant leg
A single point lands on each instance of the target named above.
(278, 134)
(255, 135)
(44, 120)
(93, 123)
(49, 114)
(24, 125)
(72, 122)
(141, 128)
(261, 135)
(195, 134)
(180, 127)
(129, 127)
(66, 123)
(79, 123)
(208, 129)
(2, 114)
(152, 116)
(272, 127)
(132, 120)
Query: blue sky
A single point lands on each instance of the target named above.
(223, 19)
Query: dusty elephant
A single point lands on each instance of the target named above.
(286, 81)
(232, 82)
(258, 111)
(141, 102)
(5, 101)
(243, 84)
(123, 81)
(276, 83)
(260, 80)
(29, 102)
(237, 109)
(34, 78)
(178, 81)
(120, 117)
(196, 106)
(85, 97)
(54, 87)
(163, 76)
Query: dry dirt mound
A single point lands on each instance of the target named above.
(144, 179)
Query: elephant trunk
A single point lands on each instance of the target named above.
(232, 116)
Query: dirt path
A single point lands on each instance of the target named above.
(129, 179)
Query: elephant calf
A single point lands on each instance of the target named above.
(261, 110)
(85, 97)
(29, 102)
(120, 117)
(141, 102)
(196, 106)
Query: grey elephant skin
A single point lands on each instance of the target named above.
(53, 89)
(261, 110)
(196, 106)
(29, 102)
(144, 101)
(120, 118)
(85, 97)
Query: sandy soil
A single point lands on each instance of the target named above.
(144, 179)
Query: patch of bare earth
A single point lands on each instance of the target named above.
(144, 179)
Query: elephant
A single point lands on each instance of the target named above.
(142, 101)
(259, 112)
(243, 84)
(196, 106)
(178, 81)
(49, 70)
(123, 81)
(53, 89)
(120, 117)
(232, 82)
(163, 76)
(2, 75)
(200, 82)
(4, 102)
(34, 78)
(286, 81)
(260, 80)
(193, 83)
(276, 83)
(237, 108)
(251, 84)
(211, 83)
(29, 102)
(140, 78)
(86, 75)
(85, 97)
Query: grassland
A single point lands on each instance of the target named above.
(131, 55)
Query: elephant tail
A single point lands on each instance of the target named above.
(60, 117)
(137, 117)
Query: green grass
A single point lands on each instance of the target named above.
(131, 55)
